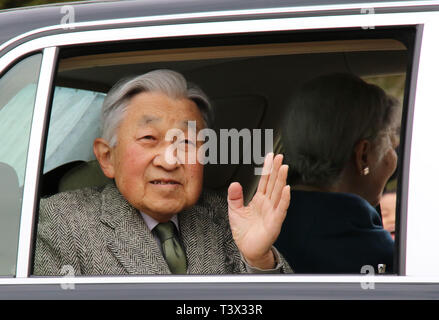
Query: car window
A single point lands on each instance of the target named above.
(17, 96)
(250, 83)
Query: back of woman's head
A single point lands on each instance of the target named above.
(326, 118)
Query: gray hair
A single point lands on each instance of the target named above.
(327, 117)
(169, 82)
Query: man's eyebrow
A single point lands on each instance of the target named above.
(185, 123)
(146, 120)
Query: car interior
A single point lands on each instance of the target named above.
(249, 81)
(249, 85)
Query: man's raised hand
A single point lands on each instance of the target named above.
(256, 227)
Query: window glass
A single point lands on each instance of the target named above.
(17, 97)
(73, 126)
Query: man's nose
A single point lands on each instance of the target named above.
(166, 158)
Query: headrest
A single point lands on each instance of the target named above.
(87, 174)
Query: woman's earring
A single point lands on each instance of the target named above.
(365, 171)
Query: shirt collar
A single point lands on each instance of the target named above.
(151, 222)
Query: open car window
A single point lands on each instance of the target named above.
(250, 82)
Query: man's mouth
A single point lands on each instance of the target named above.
(164, 182)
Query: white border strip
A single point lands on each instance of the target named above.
(225, 13)
(32, 163)
(191, 279)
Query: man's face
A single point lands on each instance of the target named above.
(140, 160)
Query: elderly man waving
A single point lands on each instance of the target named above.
(155, 217)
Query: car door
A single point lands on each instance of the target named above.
(345, 40)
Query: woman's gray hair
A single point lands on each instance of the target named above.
(168, 82)
(327, 117)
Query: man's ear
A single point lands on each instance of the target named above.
(103, 153)
(362, 156)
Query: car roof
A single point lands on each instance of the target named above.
(14, 22)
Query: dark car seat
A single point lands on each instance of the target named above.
(73, 175)
(10, 200)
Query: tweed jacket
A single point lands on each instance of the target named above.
(97, 232)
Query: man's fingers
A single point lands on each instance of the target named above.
(281, 181)
(277, 162)
(284, 203)
(235, 196)
(268, 163)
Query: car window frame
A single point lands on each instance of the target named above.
(50, 46)
(20, 172)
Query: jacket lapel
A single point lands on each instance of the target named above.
(198, 234)
(128, 237)
(192, 234)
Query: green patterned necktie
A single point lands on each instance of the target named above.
(172, 249)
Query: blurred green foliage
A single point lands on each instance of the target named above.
(392, 84)
(6, 4)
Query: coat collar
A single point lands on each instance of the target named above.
(134, 246)
(199, 234)
(128, 237)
